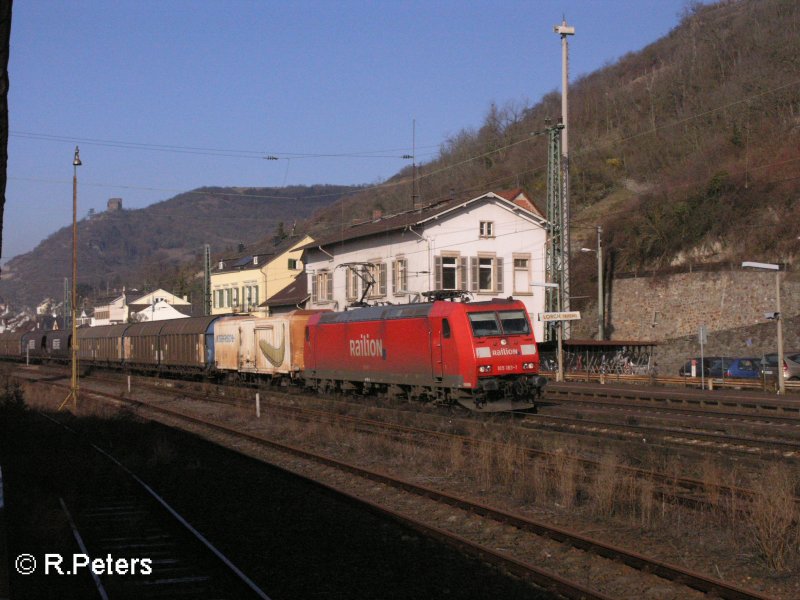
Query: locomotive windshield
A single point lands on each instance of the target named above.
(507, 322)
(514, 322)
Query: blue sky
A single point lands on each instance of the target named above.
(167, 96)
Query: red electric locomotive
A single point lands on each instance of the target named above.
(482, 355)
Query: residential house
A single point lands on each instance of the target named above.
(160, 310)
(85, 318)
(159, 296)
(242, 284)
(489, 246)
(117, 309)
(45, 307)
(49, 322)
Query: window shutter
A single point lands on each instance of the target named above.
(395, 277)
(329, 291)
(498, 267)
(314, 297)
(473, 268)
(437, 268)
(462, 273)
(383, 279)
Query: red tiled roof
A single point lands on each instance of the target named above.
(518, 197)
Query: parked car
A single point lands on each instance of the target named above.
(791, 365)
(737, 368)
(706, 361)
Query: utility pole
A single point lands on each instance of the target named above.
(601, 321)
(563, 30)
(414, 191)
(554, 266)
(206, 279)
(67, 309)
(73, 391)
(601, 313)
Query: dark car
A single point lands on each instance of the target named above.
(791, 365)
(706, 361)
(737, 368)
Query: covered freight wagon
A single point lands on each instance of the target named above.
(102, 345)
(187, 344)
(261, 346)
(141, 344)
(34, 344)
(59, 344)
(11, 344)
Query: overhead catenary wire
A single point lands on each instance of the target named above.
(261, 154)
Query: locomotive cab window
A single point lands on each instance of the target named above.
(484, 324)
(514, 322)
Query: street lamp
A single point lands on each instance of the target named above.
(601, 333)
(73, 391)
(776, 315)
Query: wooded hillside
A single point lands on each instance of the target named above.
(686, 151)
(161, 245)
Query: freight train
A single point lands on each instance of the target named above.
(482, 355)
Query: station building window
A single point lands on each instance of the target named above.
(322, 287)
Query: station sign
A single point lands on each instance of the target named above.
(560, 316)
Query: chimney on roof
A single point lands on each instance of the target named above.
(377, 214)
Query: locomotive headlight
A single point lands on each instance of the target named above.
(485, 369)
(527, 365)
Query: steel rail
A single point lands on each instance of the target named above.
(166, 506)
(689, 484)
(361, 424)
(739, 404)
(717, 438)
(541, 577)
(637, 561)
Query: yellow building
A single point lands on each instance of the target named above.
(241, 283)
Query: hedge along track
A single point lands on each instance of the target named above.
(692, 493)
(522, 568)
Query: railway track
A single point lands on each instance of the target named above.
(723, 402)
(683, 436)
(114, 516)
(688, 491)
(453, 523)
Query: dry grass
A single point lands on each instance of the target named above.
(500, 464)
(484, 466)
(457, 460)
(772, 519)
(603, 486)
(565, 480)
(647, 503)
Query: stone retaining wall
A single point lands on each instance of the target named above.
(670, 310)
